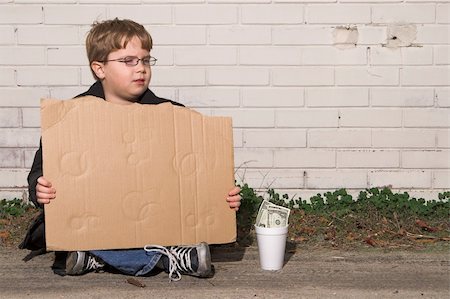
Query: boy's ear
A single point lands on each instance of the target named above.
(97, 68)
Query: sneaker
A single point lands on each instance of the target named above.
(81, 262)
(190, 260)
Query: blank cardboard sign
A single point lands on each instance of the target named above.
(131, 175)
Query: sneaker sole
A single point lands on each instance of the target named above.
(205, 269)
(75, 262)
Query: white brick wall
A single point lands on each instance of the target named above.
(314, 108)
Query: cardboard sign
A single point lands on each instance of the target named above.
(131, 175)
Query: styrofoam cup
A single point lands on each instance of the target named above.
(271, 246)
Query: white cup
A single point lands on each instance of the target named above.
(271, 246)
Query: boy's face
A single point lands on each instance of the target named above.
(123, 84)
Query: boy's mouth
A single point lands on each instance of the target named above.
(140, 81)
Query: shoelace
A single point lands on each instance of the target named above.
(93, 264)
(179, 259)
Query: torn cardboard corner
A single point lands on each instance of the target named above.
(131, 175)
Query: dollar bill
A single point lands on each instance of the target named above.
(272, 215)
(262, 217)
(277, 216)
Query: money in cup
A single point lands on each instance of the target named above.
(271, 231)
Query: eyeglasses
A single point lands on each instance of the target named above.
(133, 61)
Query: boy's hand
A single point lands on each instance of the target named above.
(44, 191)
(234, 198)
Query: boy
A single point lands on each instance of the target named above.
(119, 57)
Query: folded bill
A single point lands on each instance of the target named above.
(272, 215)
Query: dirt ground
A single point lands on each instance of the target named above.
(307, 273)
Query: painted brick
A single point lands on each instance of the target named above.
(45, 76)
(426, 159)
(86, 76)
(143, 14)
(275, 138)
(74, 14)
(239, 1)
(302, 35)
(272, 14)
(307, 158)
(7, 35)
(404, 13)
(303, 1)
(370, 118)
(29, 157)
(239, 35)
(22, 56)
(268, 178)
(307, 118)
(402, 97)
(19, 137)
(405, 138)
(267, 55)
(10, 157)
(47, 35)
(206, 55)
(272, 97)
(67, 56)
(425, 76)
(21, 14)
(178, 77)
(400, 179)
(173, 35)
(22, 97)
(249, 118)
(238, 76)
(336, 179)
(432, 34)
(238, 139)
(46, 1)
(339, 138)
(367, 76)
(13, 178)
(337, 14)
(7, 77)
(368, 159)
(426, 118)
(209, 97)
(443, 139)
(173, 1)
(334, 56)
(66, 92)
(164, 55)
(337, 97)
(206, 14)
(31, 117)
(372, 35)
(251, 157)
(443, 97)
(441, 179)
(441, 55)
(303, 76)
(404, 56)
(9, 117)
(443, 13)
(107, 1)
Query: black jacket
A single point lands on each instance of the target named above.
(148, 97)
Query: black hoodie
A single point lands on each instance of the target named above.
(148, 97)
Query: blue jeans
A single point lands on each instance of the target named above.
(135, 262)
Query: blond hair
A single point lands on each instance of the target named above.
(108, 36)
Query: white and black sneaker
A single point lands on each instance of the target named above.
(81, 262)
(190, 260)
